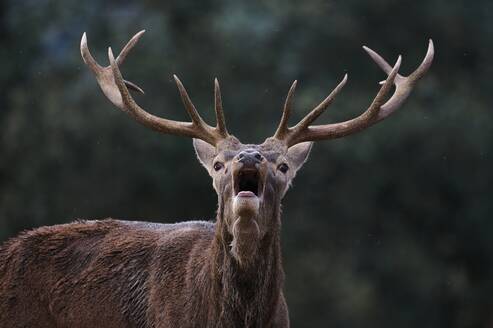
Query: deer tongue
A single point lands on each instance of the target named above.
(246, 194)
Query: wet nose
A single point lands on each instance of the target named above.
(250, 157)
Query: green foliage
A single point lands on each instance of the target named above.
(388, 228)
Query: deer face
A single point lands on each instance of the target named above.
(251, 180)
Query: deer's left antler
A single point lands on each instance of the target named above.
(377, 111)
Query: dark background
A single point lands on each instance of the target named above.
(387, 228)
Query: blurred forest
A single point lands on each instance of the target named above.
(391, 227)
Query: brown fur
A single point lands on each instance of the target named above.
(112, 273)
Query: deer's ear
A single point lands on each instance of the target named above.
(298, 154)
(205, 153)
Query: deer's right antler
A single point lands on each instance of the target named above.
(116, 90)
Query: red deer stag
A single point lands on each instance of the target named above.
(226, 273)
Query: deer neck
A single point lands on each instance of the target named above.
(248, 288)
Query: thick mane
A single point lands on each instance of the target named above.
(250, 297)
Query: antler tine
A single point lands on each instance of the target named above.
(218, 107)
(382, 63)
(317, 111)
(115, 88)
(384, 90)
(283, 127)
(291, 134)
(376, 112)
(87, 56)
(425, 64)
(130, 44)
(123, 54)
(187, 102)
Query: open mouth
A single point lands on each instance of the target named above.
(247, 183)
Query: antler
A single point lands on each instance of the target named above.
(377, 111)
(116, 88)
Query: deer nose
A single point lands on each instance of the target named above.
(250, 157)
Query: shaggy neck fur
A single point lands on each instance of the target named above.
(248, 293)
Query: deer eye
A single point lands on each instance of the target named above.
(218, 166)
(283, 167)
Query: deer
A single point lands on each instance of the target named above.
(222, 273)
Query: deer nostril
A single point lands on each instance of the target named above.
(249, 157)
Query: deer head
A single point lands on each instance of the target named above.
(251, 180)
